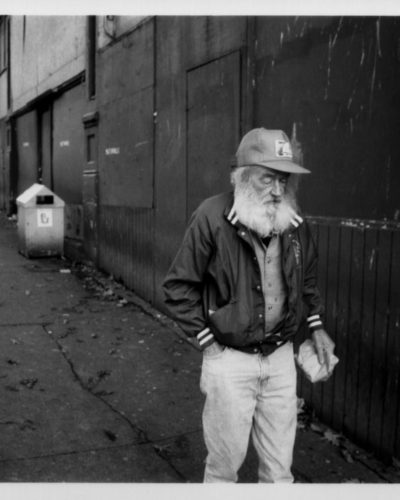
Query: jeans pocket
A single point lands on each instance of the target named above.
(214, 351)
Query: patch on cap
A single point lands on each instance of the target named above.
(283, 149)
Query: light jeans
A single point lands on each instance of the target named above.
(249, 394)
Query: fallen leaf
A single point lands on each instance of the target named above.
(347, 456)
(111, 436)
(396, 462)
(300, 406)
(332, 437)
(316, 428)
(29, 382)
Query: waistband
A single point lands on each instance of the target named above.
(265, 348)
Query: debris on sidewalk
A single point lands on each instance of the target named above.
(348, 451)
(29, 382)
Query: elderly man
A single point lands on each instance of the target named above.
(242, 282)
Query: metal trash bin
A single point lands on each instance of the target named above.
(40, 222)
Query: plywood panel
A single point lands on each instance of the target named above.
(213, 123)
(126, 100)
(183, 44)
(27, 151)
(348, 125)
(4, 175)
(68, 145)
(126, 151)
(46, 148)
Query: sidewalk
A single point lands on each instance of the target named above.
(97, 386)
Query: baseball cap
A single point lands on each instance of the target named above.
(267, 148)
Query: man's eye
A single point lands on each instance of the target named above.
(267, 180)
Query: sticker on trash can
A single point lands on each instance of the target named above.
(44, 217)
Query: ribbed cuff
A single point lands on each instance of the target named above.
(205, 338)
(314, 322)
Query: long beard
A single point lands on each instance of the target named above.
(262, 218)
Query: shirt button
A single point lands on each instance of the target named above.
(260, 315)
(243, 233)
(258, 287)
(255, 350)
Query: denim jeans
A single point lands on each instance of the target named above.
(249, 394)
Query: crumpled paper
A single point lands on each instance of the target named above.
(307, 360)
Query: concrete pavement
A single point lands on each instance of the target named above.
(97, 386)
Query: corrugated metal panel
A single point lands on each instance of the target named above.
(360, 280)
(126, 247)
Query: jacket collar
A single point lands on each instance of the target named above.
(231, 215)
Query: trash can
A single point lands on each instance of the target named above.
(40, 222)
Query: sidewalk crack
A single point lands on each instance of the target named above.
(141, 434)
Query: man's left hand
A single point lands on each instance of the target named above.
(324, 346)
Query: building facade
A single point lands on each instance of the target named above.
(132, 121)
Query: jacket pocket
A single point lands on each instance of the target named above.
(231, 324)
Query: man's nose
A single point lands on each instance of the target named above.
(277, 189)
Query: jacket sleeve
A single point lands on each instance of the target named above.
(184, 283)
(311, 295)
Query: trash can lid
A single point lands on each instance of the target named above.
(29, 196)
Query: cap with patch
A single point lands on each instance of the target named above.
(268, 148)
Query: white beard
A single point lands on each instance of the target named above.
(262, 219)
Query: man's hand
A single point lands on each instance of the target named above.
(324, 346)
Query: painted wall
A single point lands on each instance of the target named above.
(3, 94)
(45, 52)
(110, 28)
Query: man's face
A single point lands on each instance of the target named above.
(270, 185)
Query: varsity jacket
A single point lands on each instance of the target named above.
(216, 269)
